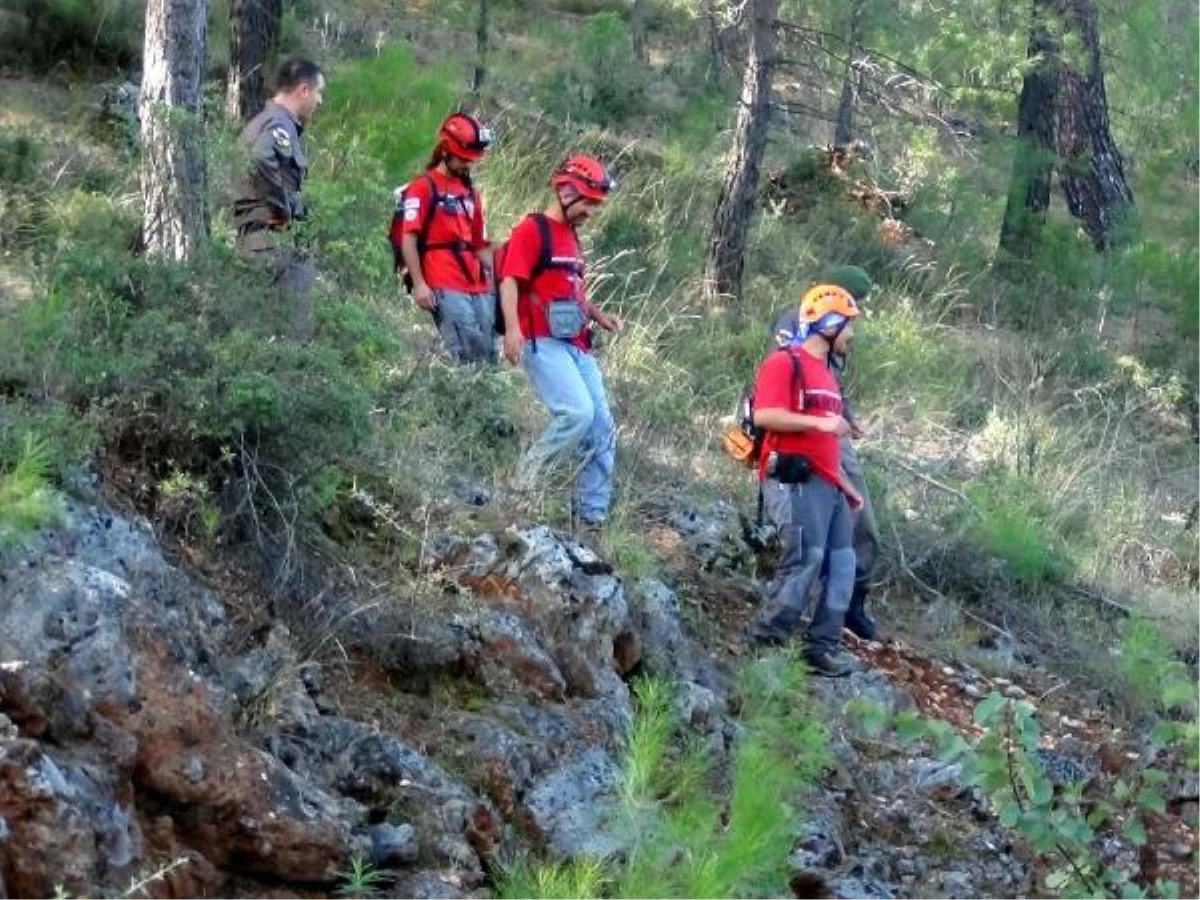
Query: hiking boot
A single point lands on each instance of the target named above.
(759, 639)
(857, 621)
(827, 664)
(590, 532)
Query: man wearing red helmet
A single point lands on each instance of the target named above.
(798, 404)
(444, 242)
(548, 318)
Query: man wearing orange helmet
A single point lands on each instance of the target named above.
(548, 318)
(788, 330)
(798, 404)
(444, 242)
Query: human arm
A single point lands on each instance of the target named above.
(514, 341)
(607, 321)
(784, 420)
(422, 292)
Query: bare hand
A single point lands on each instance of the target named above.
(514, 345)
(835, 425)
(424, 296)
(610, 322)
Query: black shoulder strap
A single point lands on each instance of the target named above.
(434, 199)
(546, 253)
(797, 376)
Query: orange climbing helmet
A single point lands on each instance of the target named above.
(825, 307)
(461, 135)
(585, 174)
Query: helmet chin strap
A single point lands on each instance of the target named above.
(566, 207)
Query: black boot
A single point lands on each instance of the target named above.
(827, 664)
(857, 620)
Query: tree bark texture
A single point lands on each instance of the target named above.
(739, 188)
(1063, 125)
(637, 31)
(175, 214)
(481, 48)
(253, 36)
(844, 130)
(1091, 170)
(1033, 163)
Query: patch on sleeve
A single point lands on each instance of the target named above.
(412, 208)
(282, 140)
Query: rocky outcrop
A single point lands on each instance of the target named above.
(120, 750)
(135, 740)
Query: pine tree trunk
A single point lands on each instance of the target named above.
(1033, 164)
(844, 131)
(1063, 124)
(175, 215)
(637, 29)
(481, 48)
(253, 36)
(736, 201)
(1091, 171)
(716, 61)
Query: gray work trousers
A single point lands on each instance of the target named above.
(467, 324)
(865, 531)
(293, 276)
(813, 520)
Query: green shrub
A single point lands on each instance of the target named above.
(41, 34)
(1016, 524)
(603, 82)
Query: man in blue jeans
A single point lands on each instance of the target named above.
(548, 320)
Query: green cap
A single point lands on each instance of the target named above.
(849, 278)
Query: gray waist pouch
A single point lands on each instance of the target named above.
(565, 318)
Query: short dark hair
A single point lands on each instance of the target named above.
(296, 72)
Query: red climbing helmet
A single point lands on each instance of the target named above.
(462, 136)
(586, 174)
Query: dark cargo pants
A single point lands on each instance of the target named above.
(813, 520)
(293, 276)
(865, 532)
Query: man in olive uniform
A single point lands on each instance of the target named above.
(268, 201)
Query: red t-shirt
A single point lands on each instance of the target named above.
(459, 217)
(555, 283)
(816, 394)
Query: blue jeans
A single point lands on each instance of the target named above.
(814, 527)
(581, 429)
(467, 325)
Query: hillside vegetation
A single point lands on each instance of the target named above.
(1032, 437)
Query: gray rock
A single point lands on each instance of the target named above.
(393, 845)
(572, 808)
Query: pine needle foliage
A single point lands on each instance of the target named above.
(27, 502)
(685, 836)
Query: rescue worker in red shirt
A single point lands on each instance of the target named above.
(548, 321)
(798, 403)
(445, 245)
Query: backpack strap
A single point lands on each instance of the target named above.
(546, 253)
(457, 248)
(797, 387)
(435, 199)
